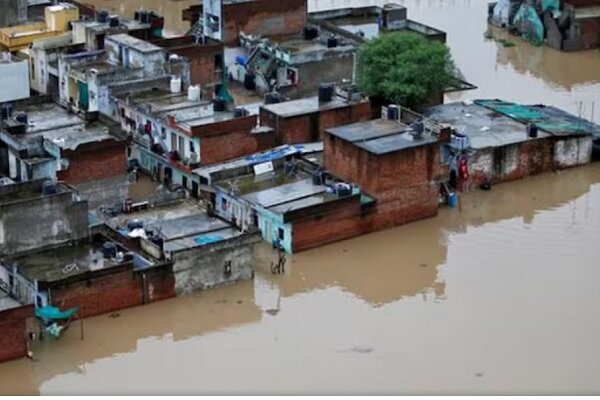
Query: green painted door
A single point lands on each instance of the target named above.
(84, 99)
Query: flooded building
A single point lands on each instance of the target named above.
(92, 33)
(56, 212)
(361, 23)
(568, 25)
(405, 158)
(85, 77)
(175, 132)
(224, 20)
(305, 120)
(281, 192)
(56, 21)
(497, 141)
(43, 61)
(14, 320)
(45, 141)
(204, 59)
(204, 251)
(293, 65)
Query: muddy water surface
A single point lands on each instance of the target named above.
(499, 297)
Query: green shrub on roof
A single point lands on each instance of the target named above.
(404, 68)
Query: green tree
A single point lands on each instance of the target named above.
(404, 68)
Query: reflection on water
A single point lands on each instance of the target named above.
(500, 297)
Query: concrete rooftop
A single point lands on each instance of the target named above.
(66, 130)
(276, 153)
(304, 106)
(133, 42)
(49, 265)
(182, 225)
(381, 136)
(484, 127)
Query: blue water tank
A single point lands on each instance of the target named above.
(453, 200)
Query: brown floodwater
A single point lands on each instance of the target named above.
(500, 296)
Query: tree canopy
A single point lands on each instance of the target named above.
(404, 68)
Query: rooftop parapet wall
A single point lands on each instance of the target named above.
(30, 220)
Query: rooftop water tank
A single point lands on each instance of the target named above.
(194, 93)
(21, 118)
(49, 188)
(175, 85)
(113, 22)
(240, 112)
(325, 93)
(218, 104)
(102, 16)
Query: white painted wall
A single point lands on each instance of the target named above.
(14, 80)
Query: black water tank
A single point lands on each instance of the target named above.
(218, 104)
(102, 16)
(532, 131)
(136, 15)
(240, 112)
(393, 113)
(5, 111)
(317, 179)
(135, 224)
(250, 82)
(48, 188)
(114, 22)
(310, 33)
(272, 98)
(332, 42)
(144, 17)
(109, 250)
(21, 118)
(325, 93)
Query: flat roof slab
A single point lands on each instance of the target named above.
(307, 105)
(188, 225)
(368, 130)
(200, 240)
(285, 193)
(484, 127)
(56, 264)
(6, 302)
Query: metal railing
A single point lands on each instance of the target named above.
(20, 288)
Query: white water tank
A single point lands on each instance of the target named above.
(175, 85)
(194, 93)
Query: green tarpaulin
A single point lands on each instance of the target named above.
(53, 313)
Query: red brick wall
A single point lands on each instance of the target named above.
(13, 332)
(409, 204)
(356, 112)
(296, 130)
(93, 162)
(417, 166)
(404, 191)
(227, 146)
(311, 127)
(118, 290)
(264, 17)
(531, 157)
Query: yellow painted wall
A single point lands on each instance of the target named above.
(58, 17)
